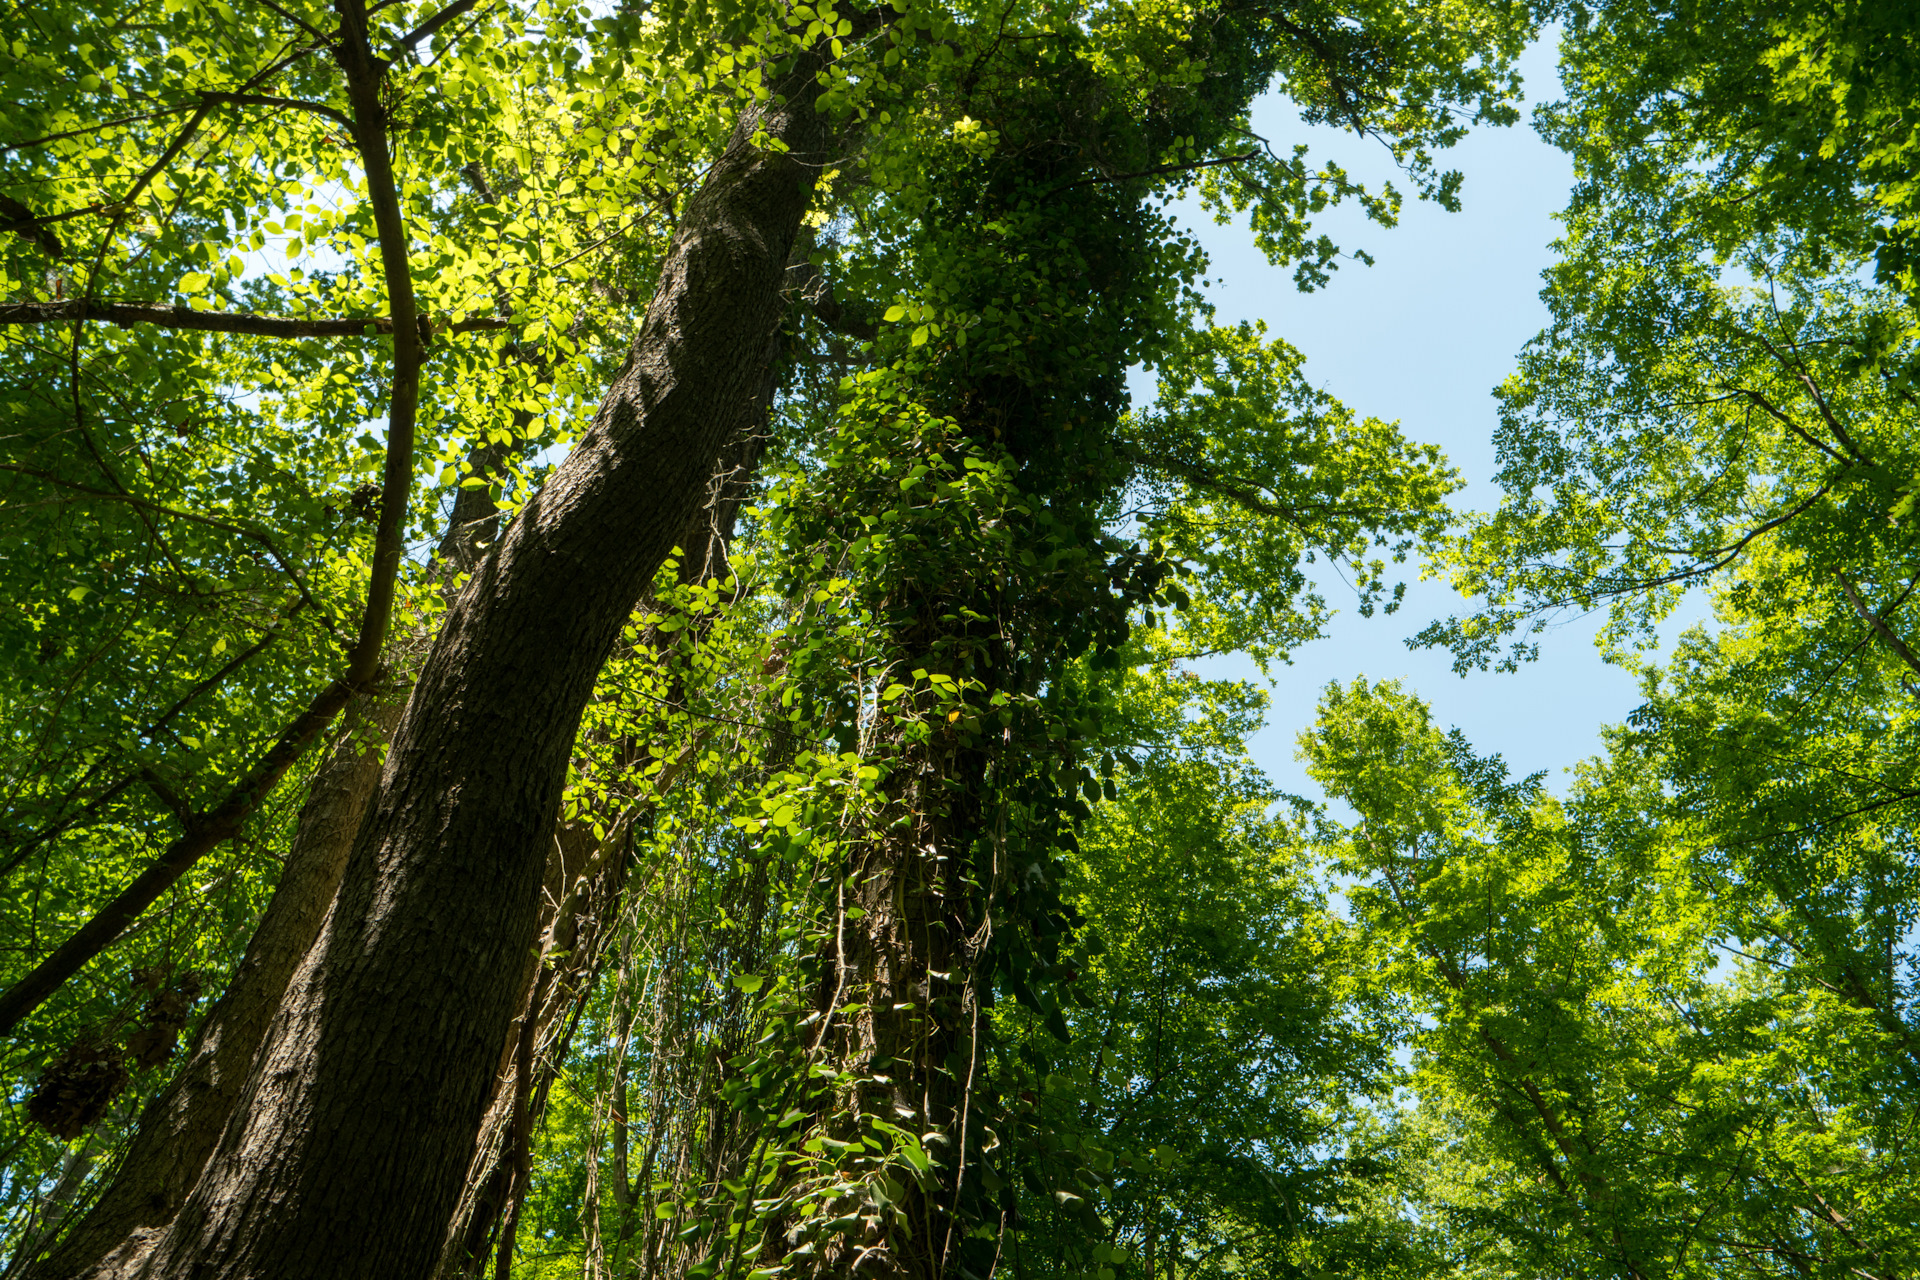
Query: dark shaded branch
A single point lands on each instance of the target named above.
(436, 22)
(168, 316)
(164, 792)
(180, 704)
(20, 220)
(816, 292)
(364, 75)
(1774, 412)
(1879, 625)
(268, 100)
(1157, 170)
(1799, 369)
(207, 832)
(1246, 496)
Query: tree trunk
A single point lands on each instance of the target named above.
(576, 922)
(181, 1126)
(52, 1210)
(347, 1152)
(580, 903)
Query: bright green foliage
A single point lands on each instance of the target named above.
(1224, 1035)
(189, 515)
(1602, 1099)
(1724, 401)
(1719, 377)
(1249, 471)
(1791, 120)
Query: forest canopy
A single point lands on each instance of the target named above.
(608, 662)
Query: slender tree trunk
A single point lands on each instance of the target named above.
(54, 1207)
(348, 1150)
(182, 1125)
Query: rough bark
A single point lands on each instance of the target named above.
(575, 920)
(906, 965)
(580, 905)
(181, 1126)
(347, 1152)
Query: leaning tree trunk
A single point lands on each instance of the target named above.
(582, 885)
(580, 906)
(349, 1147)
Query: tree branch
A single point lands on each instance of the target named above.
(268, 100)
(1157, 170)
(20, 220)
(168, 316)
(1246, 496)
(1879, 624)
(222, 823)
(1771, 410)
(45, 138)
(436, 22)
(816, 291)
(364, 74)
(91, 807)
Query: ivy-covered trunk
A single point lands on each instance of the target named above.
(963, 497)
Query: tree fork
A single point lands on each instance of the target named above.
(203, 834)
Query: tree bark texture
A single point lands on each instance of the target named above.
(348, 1150)
(581, 900)
(181, 1126)
(578, 912)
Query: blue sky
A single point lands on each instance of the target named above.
(1422, 337)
